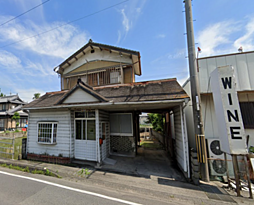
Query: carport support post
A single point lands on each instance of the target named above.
(195, 92)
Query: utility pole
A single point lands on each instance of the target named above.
(195, 91)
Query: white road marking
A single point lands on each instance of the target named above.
(72, 189)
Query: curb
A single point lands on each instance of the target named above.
(32, 168)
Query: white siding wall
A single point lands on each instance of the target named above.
(181, 140)
(63, 132)
(80, 96)
(104, 117)
(208, 115)
(189, 117)
(98, 55)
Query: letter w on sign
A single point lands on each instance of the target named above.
(229, 119)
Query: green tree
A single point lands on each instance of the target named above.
(16, 117)
(1, 94)
(36, 96)
(156, 120)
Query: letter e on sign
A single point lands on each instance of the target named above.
(227, 111)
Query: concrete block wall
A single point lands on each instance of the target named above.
(122, 144)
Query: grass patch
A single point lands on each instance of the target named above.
(7, 148)
(84, 172)
(150, 144)
(145, 126)
(46, 172)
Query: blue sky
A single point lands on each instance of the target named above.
(154, 27)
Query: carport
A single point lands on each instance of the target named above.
(166, 97)
(93, 123)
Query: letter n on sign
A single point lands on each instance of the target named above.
(227, 110)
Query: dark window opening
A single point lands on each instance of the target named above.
(247, 110)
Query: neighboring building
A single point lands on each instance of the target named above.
(96, 113)
(8, 106)
(143, 118)
(243, 64)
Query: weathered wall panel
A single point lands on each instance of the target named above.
(243, 64)
(62, 145)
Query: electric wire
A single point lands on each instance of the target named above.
(70, 22)
(24, 13)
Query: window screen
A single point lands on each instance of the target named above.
(125, 125)
(114, 77)
(121, 124)
(114, 124)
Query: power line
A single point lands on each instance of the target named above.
(70, 22)
(24, 13)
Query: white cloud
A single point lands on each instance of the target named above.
(138, 10)
(25, 5)
(214, 36)
(179, 53)
(13, 64)
(161, 36)
(130, 14)
(9, 61)
(57, 43)
(119, 37)
(27, 94)
(125, 22)
(247, 40)
(226, 37)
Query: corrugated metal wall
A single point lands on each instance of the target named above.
(243, 64)
(181, 140)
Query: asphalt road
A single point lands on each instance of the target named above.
(28, 189)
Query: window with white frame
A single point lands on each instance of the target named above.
(47, 132)
(85, 125)
(121, 124)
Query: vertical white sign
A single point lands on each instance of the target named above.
(227, 110)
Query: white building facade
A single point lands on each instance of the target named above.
(243, 64)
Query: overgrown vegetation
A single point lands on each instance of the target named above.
(46, 172)
(157, 121)
(16, 118)
(84, 172)
(149, 144)
(36, 96)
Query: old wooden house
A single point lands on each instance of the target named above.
(96, 112)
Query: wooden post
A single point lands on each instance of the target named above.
(226, 162)
(236, 172)
(248, 176)
(13, 145)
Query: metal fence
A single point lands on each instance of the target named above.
(7, 146)
(12, 145)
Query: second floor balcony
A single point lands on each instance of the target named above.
(100, 76)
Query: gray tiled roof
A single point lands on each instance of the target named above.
(91, 43)
(11, 98)
(168, 89)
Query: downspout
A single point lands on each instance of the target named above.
(70, 134)
(97, 127)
